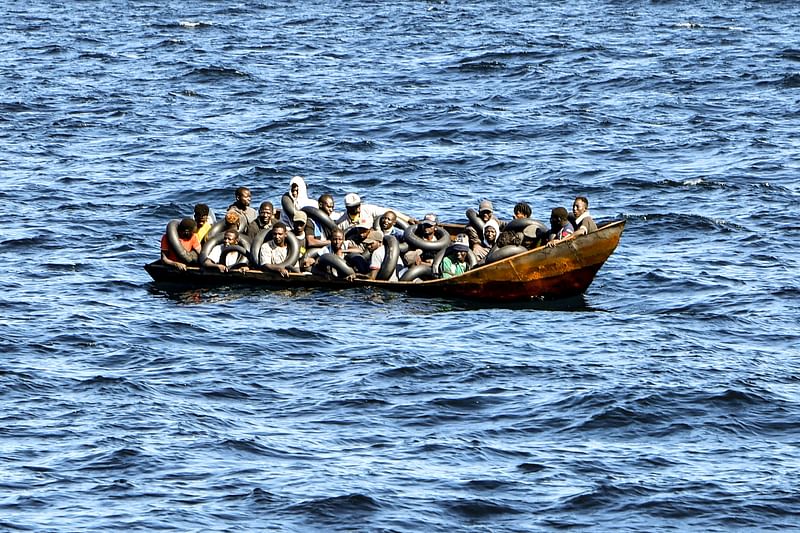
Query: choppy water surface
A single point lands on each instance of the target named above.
(666, 398)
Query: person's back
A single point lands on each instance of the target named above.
(187, 239)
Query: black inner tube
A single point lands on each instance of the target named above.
(321, 219)
(422, 271)
(496, 254)
(174, 242)
(292, 254)
(390, 258)
(415, 241)
(335, 262)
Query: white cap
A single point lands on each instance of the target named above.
(352, 200)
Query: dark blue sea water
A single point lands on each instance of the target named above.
(665, 399)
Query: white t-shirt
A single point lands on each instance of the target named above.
(272, 254)
(230, 259)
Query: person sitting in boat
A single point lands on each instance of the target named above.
(455, 262)
(481, 248)
(228, 255)
(316, 235)
(477, 224)
(426, 230)
(358, 213)
(201, 219)
(388, 225)
(242, 208)
(188, 240)
(522, 210)
(560, 227)
(582, 220)
(371, 242)
(337, 248)
(379, 256)
(295, 199)
(299, 222)
(264, 220)
(273, 252)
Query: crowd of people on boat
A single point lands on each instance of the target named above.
(306, 236)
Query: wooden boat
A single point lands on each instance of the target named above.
(562, 271)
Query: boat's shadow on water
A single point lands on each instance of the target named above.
(358, 296)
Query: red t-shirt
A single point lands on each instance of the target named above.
(192, 244)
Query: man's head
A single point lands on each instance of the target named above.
(388, 220)
(461, 246)
(243, 196)
(186, 228)
(428, 224)
(485, 210)
(352, 202)
(230, 237)
(337, 239)
(522, 210)
(201, 214)
(558, 217)
(490, 231)
(326, 204)
(373, 240)
(299, 221)
(265, 211)
(580, 205)
(279, 233)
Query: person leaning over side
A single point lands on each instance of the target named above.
(189, 241)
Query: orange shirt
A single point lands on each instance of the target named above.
(192, 244)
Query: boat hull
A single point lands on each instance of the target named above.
(562, 271)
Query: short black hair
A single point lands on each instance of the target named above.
(201, 210)
(523, 208)
(187, 224)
